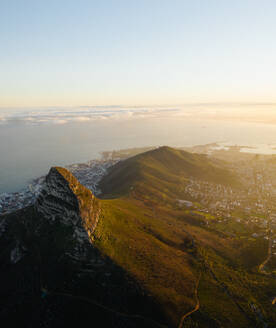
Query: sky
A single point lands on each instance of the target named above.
(136, 52)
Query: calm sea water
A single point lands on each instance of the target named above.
(29, 150)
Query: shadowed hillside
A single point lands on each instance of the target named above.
(52, 275)
(135, 259)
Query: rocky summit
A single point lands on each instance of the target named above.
(51, 267)
(63, 199)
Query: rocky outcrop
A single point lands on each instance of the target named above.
(63, 199)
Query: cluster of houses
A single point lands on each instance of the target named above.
(89, 174)
(10, 202)
(247, 206)
(221, 200)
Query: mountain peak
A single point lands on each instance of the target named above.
(163, 168)
(66, 200)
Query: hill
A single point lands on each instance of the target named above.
(162, 170)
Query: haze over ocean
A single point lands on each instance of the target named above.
(217, 57)
(33, 140)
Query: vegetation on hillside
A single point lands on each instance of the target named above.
(152, 263)
(163, 173)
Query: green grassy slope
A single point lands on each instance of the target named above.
(178, 262)
(166, 254)
(166, 250)
(163, 170)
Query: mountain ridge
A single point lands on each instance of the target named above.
(163, 168)
(133, 258)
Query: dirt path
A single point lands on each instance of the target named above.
(262, 265)
(196, 308)
(269, 253)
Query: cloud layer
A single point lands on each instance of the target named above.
(262, 113)
(79, 114)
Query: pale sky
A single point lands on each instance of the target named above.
(136, 52)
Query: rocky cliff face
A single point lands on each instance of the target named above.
(64, 200)
(53, 274)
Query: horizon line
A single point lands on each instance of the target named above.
(213, 103)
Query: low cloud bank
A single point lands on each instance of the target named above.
(261, 113)
(81, 114)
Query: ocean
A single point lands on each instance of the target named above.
(31, 144)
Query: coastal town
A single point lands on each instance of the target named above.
(10, 202)
(89, 174)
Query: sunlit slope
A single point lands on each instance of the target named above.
(168, 255)
(163, 170)
(156, 257)
(178, 260)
